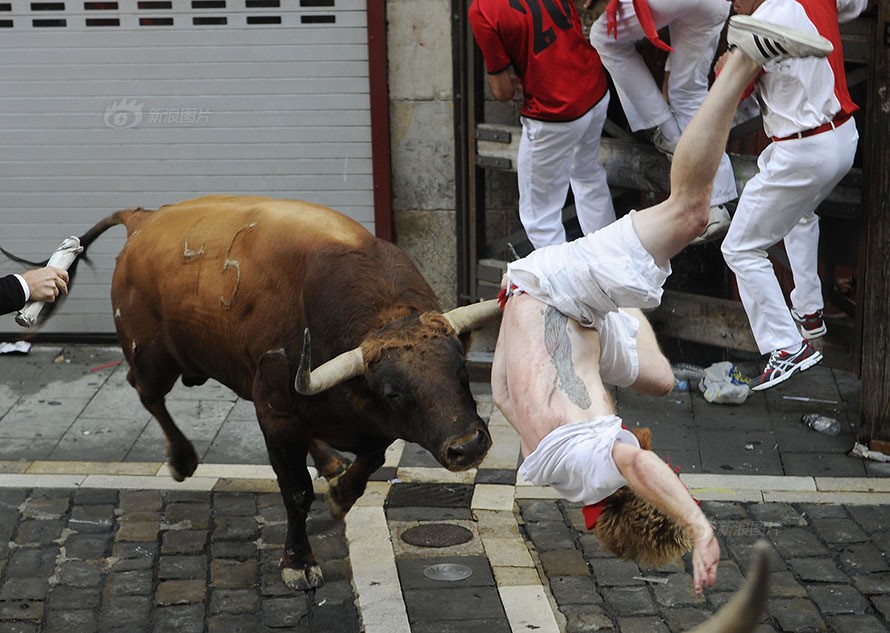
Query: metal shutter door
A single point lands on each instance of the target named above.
(117, 104)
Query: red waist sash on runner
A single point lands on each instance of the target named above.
(839, 119)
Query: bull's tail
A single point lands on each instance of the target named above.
(131, 218)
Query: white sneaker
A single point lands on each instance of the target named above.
(718, 225)
(663, 145)
(764, 41)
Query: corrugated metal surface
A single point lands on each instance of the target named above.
(109, 105)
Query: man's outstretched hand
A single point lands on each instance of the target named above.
(705, 558)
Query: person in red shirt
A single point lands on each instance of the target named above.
(534, 50)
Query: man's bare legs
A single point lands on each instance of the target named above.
(668, 227)
(656, 378)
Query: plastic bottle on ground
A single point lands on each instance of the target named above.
(686, 371)
(821, 423)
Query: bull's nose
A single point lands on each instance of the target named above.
(469, 453)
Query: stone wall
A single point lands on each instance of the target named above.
(422, 133)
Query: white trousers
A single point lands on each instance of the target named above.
(590, 277)
(553, 155)
(780, 203)
(694, 27)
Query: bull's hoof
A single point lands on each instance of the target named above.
(309, 577)
(183, 466)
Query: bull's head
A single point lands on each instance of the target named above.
(417, 370)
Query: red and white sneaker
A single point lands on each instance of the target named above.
(782, 365)
(811, 325)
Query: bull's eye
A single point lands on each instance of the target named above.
(391, 393)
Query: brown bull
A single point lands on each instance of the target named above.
(224, 287)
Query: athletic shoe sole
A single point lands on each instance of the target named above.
(802, 366)
(807, 44)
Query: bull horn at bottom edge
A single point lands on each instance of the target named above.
(330, 374)
(472, 316)
(743, 612)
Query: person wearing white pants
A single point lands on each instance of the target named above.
(695, 27)
(534, 50)
(807, 112)
(553, 155)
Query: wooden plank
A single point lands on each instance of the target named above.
(874, 303)
(690, 317)
(723, 323)
(634, 165)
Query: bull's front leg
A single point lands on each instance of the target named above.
(346, 488)
(287, 446)
(299, 570)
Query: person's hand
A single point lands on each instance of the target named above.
(705, 558)
(46, 283)
(518, 95)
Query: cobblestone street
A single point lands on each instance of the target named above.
(152, 561)
(830, 572)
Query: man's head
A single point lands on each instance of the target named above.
(633, 529)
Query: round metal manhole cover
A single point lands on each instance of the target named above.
(447, 572)
(436, 535)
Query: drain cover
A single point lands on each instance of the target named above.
(413, 495)
(436, 535)
(447, 572)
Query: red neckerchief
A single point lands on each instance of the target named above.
(644, 15)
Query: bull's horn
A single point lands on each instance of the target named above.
(742, 613)
(470, 317)
(339, 369)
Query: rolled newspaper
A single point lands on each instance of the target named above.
(61, 258)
